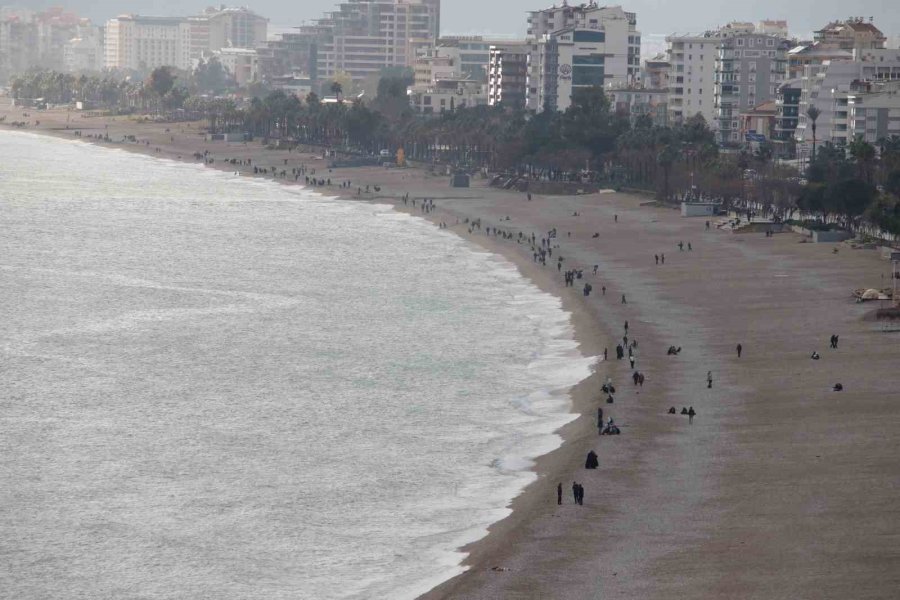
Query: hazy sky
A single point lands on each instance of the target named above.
(508, 16)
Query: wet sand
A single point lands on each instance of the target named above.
(781, 488)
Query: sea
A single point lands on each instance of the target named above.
(213, 386)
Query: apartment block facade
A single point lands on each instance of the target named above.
(692, 60)
(622, 60)
(144, 43)
(750, 67)
(508, 75)
(363, 37)
(560, 63)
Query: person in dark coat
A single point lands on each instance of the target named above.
(591, 462)
(559, 493)
(739, 350)
(691, 415)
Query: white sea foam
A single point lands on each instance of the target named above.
(217, 386)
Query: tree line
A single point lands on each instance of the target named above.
(587, 140)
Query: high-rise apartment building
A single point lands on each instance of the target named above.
(508, 75)
(143, 43)
(363, 37)
(829, 87)
(692, 76)
(622, 40)
(30, 39)
(561, 62)
(750, 67)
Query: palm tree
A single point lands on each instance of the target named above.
(812, 113)
(337, 89)
(666, 158)
(864, 154)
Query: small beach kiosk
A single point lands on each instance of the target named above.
(695, 208)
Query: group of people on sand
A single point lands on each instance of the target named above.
(577, 493)
(689, 412)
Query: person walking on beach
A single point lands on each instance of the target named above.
(605, 353)
(662, 258)
(739, 350)
(623, 299)
(691, 414)
(559, 493)
(656, 256)
(575, 491)
(709, 379)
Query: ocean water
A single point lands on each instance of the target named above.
(216, 387)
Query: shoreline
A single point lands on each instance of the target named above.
(747, 501)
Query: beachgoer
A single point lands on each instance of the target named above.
(739, 350)
(591, 461)
(709, 379)
(559, 493)
(691, 414)
(575, 491)
(815, 355)
(623, 299)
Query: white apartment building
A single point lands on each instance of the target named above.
(447, 95)
(829, 87)
(692, 76)
(622, 60)
(234, 28)
(437, 63)
(144, 43)
(750, 67)
(873, 111)
(474, 54)
(242, 63)
(561, 62)
(365, 36)
(84, 53)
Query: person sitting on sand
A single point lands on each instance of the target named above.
(591, 462)
(815, 355)
(672, 411)
(838, 387)
(683, 410)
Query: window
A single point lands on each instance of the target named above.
(740, 41)
(593, 59)
(590, 36)
(770, 42)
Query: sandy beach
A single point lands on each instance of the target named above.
(781, 487)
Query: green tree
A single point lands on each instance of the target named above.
(812, 113)
(161, 82)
